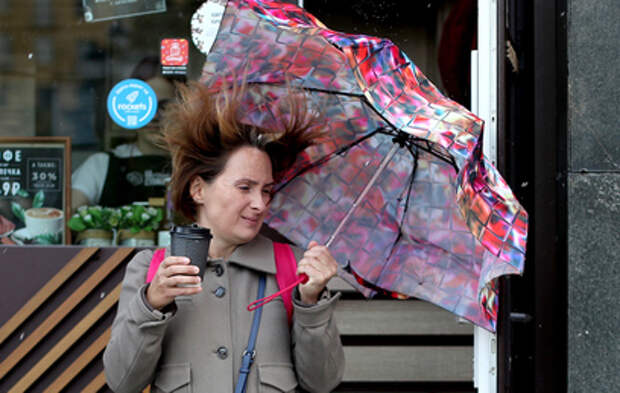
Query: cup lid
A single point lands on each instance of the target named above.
(193, 230)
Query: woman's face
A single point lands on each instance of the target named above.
(235, 203)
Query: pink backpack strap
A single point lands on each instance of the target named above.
(286, 274)
(158, 256)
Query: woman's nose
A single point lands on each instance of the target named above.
(259, 202)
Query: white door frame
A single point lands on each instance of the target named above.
(484, 104)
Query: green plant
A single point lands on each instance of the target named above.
(49, 238)
(95, 217)
(140, 218)
(133, 217)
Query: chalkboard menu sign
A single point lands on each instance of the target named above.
(35, 177)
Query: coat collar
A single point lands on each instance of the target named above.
(256, 254)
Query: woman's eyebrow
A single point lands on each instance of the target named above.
(253, 182)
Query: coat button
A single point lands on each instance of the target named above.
(220, 291)
(222, 353)
(219, 270)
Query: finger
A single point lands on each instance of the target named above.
(319, 251)
(319, 260)
(327, 269)
(177, 280)
(323, 257)
(184, 291)
(170, 261)
(181, 269)
(312, 244)
(316, 264)
(316, 251)
(314, 272)
(316, 247)
(313, 276)
(307, 262)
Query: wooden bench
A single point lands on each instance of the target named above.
(404, 344)
(60, 302)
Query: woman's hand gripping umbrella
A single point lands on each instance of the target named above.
(314, 270)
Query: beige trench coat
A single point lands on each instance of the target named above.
(197, 345)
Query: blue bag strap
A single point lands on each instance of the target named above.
(249, 353)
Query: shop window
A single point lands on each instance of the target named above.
(43, 13)
(6, 61)
(57, 69)
(437, 35)
(44, 48)
(4, 5)
(55, 75)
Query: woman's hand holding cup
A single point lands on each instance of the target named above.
(175, 277)
(320, 266)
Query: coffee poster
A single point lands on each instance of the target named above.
(34, 177)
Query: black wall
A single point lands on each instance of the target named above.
(560, 321)
(593, 196)
(532, 335)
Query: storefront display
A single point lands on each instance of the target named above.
(103, 84)
(34, 181)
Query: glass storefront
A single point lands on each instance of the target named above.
(63, 62)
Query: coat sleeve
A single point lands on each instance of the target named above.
(131, 356)
(317, 349)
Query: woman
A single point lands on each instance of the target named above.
(183, 338)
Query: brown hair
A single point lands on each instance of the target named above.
(203, 128)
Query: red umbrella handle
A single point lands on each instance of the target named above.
(301, 279)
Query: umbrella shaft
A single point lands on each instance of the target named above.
(361, 196)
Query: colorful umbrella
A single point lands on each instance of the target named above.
(399, 188)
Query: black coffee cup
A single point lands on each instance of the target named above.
(191, 241)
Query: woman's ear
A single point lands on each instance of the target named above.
(197, 190)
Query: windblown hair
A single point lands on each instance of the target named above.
(203, 128)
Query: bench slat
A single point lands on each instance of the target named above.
(338, 284)
(397, 317)
(408, 364)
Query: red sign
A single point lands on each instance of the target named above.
(174, 52)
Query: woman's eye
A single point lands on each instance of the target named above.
(244, 188)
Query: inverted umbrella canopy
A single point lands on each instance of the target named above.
(399, 188)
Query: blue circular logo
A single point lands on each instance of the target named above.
(132, 103)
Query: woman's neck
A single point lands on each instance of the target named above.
(220, 250)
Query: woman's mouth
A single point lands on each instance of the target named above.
(251, 220)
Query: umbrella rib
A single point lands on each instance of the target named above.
(340, 93)
(328, 157)
(402, 220)
(315, 89)
(406, 209)
(361, 196)
(449, 159)
(418, 142)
